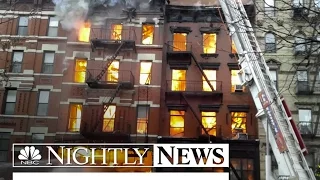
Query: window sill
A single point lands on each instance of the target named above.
(232, 55)
(206, 55)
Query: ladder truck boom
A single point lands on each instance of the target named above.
(284, 138)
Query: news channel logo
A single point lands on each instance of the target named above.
(108, 155)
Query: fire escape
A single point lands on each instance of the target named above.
(107, 41)
(181, 55)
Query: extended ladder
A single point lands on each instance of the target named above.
(255, 73)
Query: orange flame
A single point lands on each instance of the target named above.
(84, 32)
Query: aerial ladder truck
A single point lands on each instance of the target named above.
(282, 133)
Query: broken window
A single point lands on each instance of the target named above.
(179, 42)
(239, 122)
(116, 31)
(147, 33)
(80, 70)
(145, 73)
(274, 75)
(233, 48)
(235, 82)
(209, 43)
(211, 75)
(17, 59)
(108, 119)
(113, 72)
(84, 32)
(75, 117)
(177, 123)
(142, 119)
(209, 121)
(23, 26)
(178, 80)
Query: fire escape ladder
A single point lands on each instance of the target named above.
(201, 71)
(106, 106)
(195, 114)
(109, 62)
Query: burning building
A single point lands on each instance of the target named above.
(148, 71)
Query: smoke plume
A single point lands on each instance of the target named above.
(72, 13)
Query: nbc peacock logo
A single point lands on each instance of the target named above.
(29, 156)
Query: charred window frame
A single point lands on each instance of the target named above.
(16, 63)
(147, 33)
(4, 146)
(23, 26)
(48, 62)
(244, 168)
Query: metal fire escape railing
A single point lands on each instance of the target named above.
(92, 80)
(105, 108)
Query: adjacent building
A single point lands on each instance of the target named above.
(288, 32)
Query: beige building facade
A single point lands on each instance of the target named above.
(288, 32)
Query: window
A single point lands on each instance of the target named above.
(209, 121)
(274, 77)
(37, 138)
(145, 73)
(300, 44)
(209, 43)
(177, 123)
(179, 42)
(238, 122)
(244, 168)
(269, 8)
(211, 75)
(305, 121)
(235, 82)
(108, 119)
(53, 27)
(142, 119)
(48, 60)
(17, 57)
(233, 48)
(10, 103)
(113, 72)
(80, 70)
(116, 32)
(147, 33)
(298, 3)
(84, 32)
(302, 75)
(4, 146)
(178, 80)
(43, 103)
(23, 26)
(270, 40)
(75, 117)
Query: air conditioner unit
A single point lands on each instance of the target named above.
(242, 136)
(238, 88)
